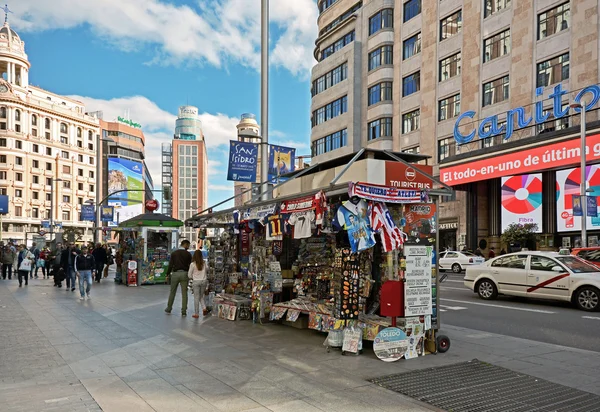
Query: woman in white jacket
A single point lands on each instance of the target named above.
(197, 273)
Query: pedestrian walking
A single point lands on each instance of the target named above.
(24, 264)
(197, 274)
(58, 273)
(42, 262)
(179, 265)
(67, 261)
(99, 254)
(110, 259)
(36, 255)
(84, 266)
(8, 257)
(492, 254)
(120, 258)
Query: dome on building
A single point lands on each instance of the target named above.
(248, 120)
(9, 33)
(11, 43)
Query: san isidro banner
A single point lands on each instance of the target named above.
(243, 159)
(88, 213)
(282, 160)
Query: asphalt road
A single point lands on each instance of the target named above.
(545, 321)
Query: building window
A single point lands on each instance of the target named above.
(411, 46)
(91, 160)
(49, 151)
(79, 172)
(66, 184)
(66, 215)
(493, 6)
(91, 136)
(80, 158)
(34, 132)
(48, 198)
(412, 150)
(338, 45)
(36, 148)
(35, 164)
(450, 67)
(67, 199)
(380, 92)
(325, 4)
(80, 200)
(48, 181)
(92, 188)
(18, 193)
(79, 132)
(19, 161)
(3, 142)
(412, 8)
(64, 128)
(18, 211)
(411, 121)
(451, 25)
(446, 149)
(2, 112)
(347, 14)
(36, 180)
(331, 142)
(18, 144)
(496, 91)
(19, 177)
(381, 56)
(91, 174)
(33, 120)
(329, 111)
(17, 115)
(2, 158)
(3, 175)
(47, 123)
(554, 20)
(553, 71)
(496, 46)
(382, 20)
(79, 186)
(494, 138)
(379, 128)
(411, 84)
(48, 166)
(64, 155)
(66, 170)
(80, 144)
(554, 124)
(91, 146)
(35, 213)
(330, 79)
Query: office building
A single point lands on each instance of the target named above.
(48, 148)
(403, 75)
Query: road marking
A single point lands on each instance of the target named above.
(443, 310)
(56, 400)
(591, 317)
(497, 306)
(451, 288)
(453, 307)
(454, 281)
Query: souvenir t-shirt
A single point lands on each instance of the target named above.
(274, 227)
(302, 224)
(353, 218)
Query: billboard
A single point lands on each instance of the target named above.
(281, 161)
(567, 187)
(124, 174)
(243, 159)
(3, 204)
(521, 200)
(88, 213)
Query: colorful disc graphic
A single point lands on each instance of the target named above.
(522, 194)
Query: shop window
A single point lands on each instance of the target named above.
(411, 84)
(496, 46)
(382, 20)
(450, 67)
(554, 20)
(379, 128)
(412, 8)
(553, 71)
(494, 6)
(451, 25)
(411, 46)
(379, 93)
(449, 107)
(411, 121)
(496, 91)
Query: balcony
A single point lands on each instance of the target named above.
(37, 202)
(80, 179)
(36, 186)
(19, 184)
(4, 166)
(80, 192)
(48, 188)
(49, 172)
(19, 167)
(67, 176)
(36, 171)
(67, 190)
(91, 179)
(3, 182)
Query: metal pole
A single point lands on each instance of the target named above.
(264, 97)
(99, 184)
(583, 186)
(51, 209)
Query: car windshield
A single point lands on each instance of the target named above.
(576, 265)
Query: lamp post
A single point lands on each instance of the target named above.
(264, 96)
(582, 187)
(52, 180)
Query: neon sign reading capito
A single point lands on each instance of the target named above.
(518, 115)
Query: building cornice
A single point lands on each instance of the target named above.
(8, 99)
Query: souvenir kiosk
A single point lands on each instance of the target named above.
(354, 241)
(148, 239)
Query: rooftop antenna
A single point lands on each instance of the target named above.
(6, 11)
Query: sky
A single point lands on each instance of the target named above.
(148, 57)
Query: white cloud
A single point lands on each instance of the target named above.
(289, 143)
(214, 168)
(216, 32)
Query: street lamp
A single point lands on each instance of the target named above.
(582, 187)
(52, 180)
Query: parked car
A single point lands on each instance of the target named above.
(457, 261)
(543, 275)
(589, 254)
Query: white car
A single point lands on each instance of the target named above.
(542, 275)
(457, 261)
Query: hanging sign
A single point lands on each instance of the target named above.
(3, 204)
(417, 287)
(380, 193)
(281, 161)
(298, 205)
(577, 209)
(151, 205)
(243, 159)
(88, 212)
(258, 213)
(107, 213)
(592, 206)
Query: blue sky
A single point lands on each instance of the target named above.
(151, 56)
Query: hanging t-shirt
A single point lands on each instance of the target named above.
(302, 222)
(274, 227)
(354, 219)
(381, 221)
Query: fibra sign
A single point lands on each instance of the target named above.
(517, 119)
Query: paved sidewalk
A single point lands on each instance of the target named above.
(120, 352)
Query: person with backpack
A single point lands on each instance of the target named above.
(84, 266)
(8, 257)
(36, 255)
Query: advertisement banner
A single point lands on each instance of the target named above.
(107, 213)
(565, 153)
(88, 213)
(592, 206)
(568, 202)
(420, 223)
(243, 159)
(281, 161)
(380, 193)
(417, 287)
(390, 344)
(124, 174)
(398, 174)
(522, 200)
(298, 205)
(3, 204)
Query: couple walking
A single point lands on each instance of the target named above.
(183, 267)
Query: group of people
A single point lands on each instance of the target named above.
(23, 263)
(183, 268)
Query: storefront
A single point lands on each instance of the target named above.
(530, 175)
(448, 235)
(318, 258)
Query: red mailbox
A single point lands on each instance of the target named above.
(392, 299)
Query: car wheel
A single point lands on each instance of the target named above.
(486, 289)
(588, 298)
(456, 268)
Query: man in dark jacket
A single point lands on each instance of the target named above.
(84, 266)
(100, 257)
(36, 255)
(67, 261)
(179, 265)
